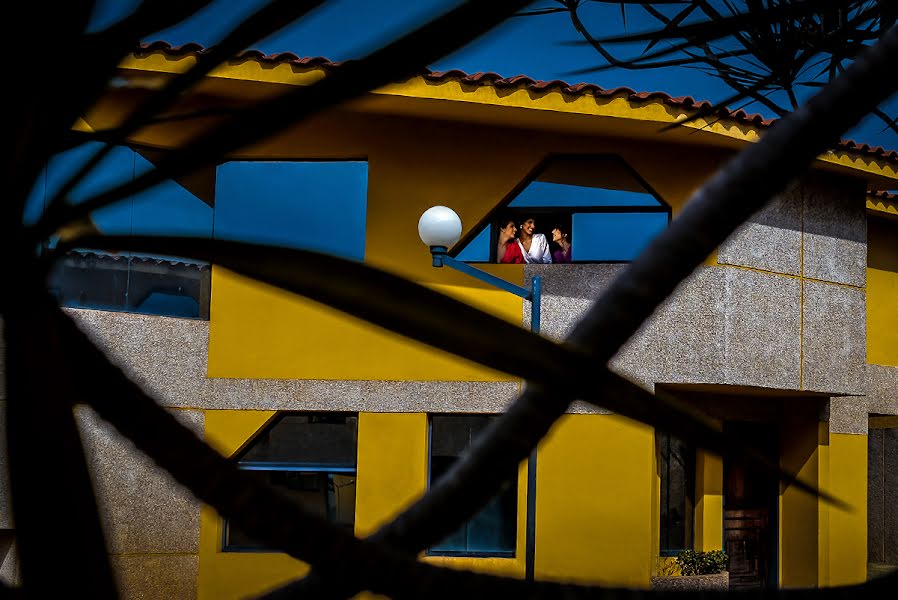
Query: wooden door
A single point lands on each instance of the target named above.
(750, 512)
(746, 542)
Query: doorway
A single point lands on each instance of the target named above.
(750, 510)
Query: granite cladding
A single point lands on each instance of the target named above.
(154, 577)
(771, 239)
(848, 414)
(722, 326)
(144, 510)
(175, 373)
(882, 389)
(835, 230)
(6, 521)
(834, 338)
(816, 228)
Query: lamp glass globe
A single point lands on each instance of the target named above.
(439, 226)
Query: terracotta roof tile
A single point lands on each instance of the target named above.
(686, 103)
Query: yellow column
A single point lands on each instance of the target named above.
(392, 466)
(823, 508)
(595, 502)
(847, 527)
(708, 501)
(799, 518)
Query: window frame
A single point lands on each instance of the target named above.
(664, 549)
(515, 487)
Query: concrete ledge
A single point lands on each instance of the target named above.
(168, 357)
(848, 414)
(690, 583)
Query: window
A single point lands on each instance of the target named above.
(882, 494)
(607, 210)
(311, 458)
(124, 281)
(492, 532)
(313, 205)
(676, 462)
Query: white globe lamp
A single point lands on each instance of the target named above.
(439, 227)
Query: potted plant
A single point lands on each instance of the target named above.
(698, 570)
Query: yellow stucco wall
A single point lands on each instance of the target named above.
(799, 513)
(822, 544)
(882, 290)
(708, 501)
(847, 527)
(594, 502)
(393, 459)
(412, 166)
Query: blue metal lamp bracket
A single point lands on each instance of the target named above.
(441, 258)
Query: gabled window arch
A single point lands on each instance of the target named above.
(609, 210)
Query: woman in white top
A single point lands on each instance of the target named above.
(534, 245)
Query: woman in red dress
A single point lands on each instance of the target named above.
(508, 250)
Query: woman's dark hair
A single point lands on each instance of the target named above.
(523, 219)
(564, 229)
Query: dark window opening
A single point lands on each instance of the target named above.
(311, 459)
(492, 531)
(676, 463)
(132, 283)
(882, 495)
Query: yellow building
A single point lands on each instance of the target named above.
(786, 334)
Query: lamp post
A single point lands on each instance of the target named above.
(440, 228)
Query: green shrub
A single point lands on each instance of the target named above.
(697, 562)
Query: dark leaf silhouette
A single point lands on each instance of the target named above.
(763, 50)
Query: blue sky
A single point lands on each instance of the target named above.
(536, 46)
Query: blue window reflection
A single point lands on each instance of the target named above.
(614, 237)
(317, 206)
(479, 248)
(546, 194)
